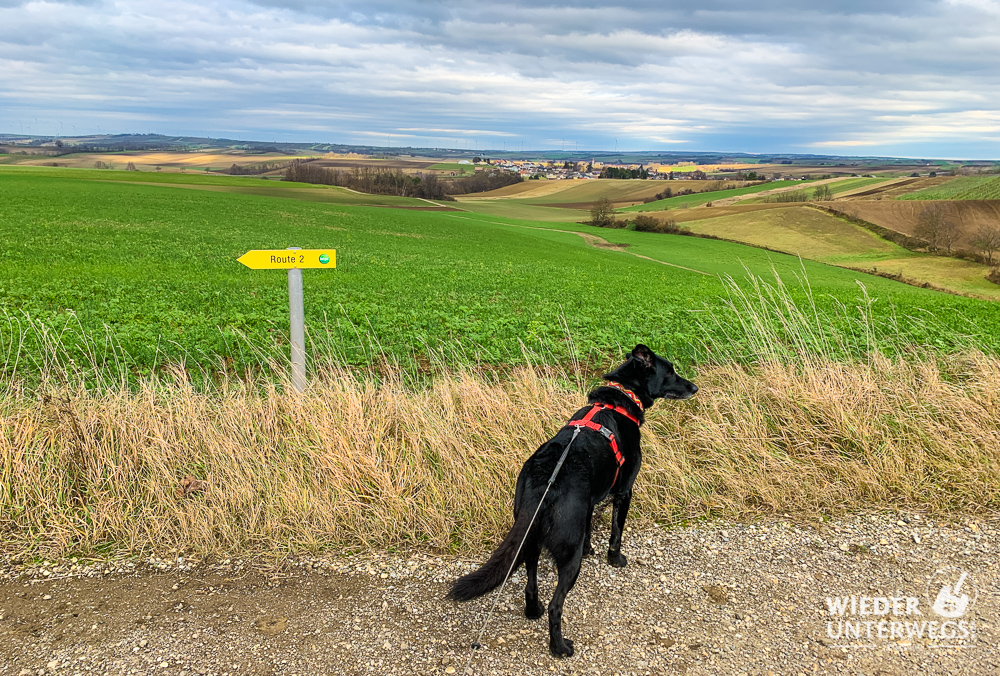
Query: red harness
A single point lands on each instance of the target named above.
(588, 422)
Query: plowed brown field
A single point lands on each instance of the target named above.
(573, 191)
(701, 213)
(902, 215)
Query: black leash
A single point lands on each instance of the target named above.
(562, 458)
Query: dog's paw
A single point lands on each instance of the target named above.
(617, 559)
(533, 612)
(562, 649)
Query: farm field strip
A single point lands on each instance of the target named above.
(822, 237)
(522, 210)
(988, 190)
(798, 185)
(874, 186)
(618, 190)
(851, 184)
(807, 188)
(148, 162)
(798, 230)
(453, 166)
(587, 190)
(959, 188)
(697, 199)
(703, 212)
(236, 184)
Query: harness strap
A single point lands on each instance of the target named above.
(589, 422)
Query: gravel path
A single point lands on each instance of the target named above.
(716, 598)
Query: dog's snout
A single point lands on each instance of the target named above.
(694, 389)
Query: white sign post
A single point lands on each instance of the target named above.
(297, 333)
(294, 262)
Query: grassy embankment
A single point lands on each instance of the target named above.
(813, 401)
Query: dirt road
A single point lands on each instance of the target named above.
(716, 598)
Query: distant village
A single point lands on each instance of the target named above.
(555, 170)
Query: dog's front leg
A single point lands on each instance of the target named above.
(618, 516)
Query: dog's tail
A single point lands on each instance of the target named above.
(491, 574)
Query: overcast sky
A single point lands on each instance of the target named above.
(910, 78)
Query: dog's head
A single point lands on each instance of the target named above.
(651, 377)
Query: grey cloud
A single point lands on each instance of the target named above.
(712, 72)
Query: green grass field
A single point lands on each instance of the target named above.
(244, 185)
(134, 272)
(960, 188)
(454, 166)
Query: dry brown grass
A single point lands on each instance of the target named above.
(361, 462)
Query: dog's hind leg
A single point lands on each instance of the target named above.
(532, 608)
(568, 566)
(618, 516)
(587, 548)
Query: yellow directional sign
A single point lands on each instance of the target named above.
(289, 258)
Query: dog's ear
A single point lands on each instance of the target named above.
(644, 355)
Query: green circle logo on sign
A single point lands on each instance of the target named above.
(324, 259)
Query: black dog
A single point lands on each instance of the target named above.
(604, 459)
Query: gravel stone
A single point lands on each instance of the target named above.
(709, 598)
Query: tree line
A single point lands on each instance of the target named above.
(937, 225)
(394, 181)
(256, 168)
(481, 181)
(623, 172)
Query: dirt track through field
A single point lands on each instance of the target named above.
(592, 240)
(718, 598)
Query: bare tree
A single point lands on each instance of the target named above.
(823, 192)
(602, 214)
(937, 227)
(987, 240)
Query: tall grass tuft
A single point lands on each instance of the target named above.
(773, 322)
